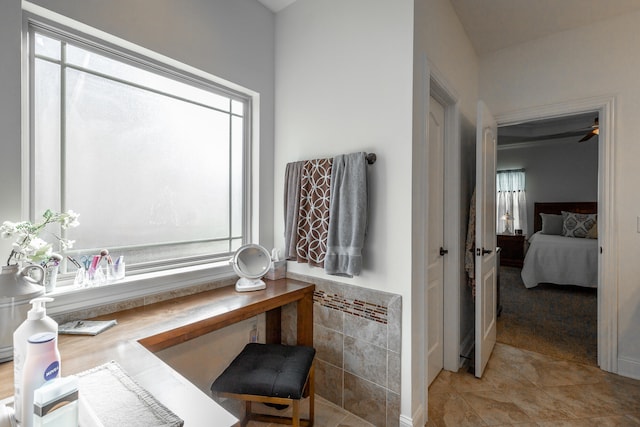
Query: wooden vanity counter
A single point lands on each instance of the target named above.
(143, 330)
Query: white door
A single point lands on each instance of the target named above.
(486, 268)
(435, 252)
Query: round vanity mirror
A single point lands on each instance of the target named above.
(251, 262)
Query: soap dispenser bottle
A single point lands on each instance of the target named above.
(37, 322)
(41, 365)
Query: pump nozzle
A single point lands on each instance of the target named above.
(38, 309)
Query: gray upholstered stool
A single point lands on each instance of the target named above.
(273, 374)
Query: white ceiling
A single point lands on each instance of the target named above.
(276, 5)
(495, 24)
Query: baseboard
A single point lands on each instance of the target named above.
(629, 368)
(418, 419)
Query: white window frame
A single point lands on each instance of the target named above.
(169, 279)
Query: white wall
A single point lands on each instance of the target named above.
(233, 40)
(441, 39)
(556, 171)
(344, 84)
(202, 359)
(10, 160)
(346, 81)
(598, 60)
(442, 45)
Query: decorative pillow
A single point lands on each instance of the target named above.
(577, 224)
(551, 224)
(593, 233)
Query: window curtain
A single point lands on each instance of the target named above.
(512, 199)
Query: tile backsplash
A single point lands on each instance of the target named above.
(357, 335)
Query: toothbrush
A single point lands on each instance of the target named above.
(105, 254)
(94, 264)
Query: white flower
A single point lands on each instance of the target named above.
(38, 250)
(28, 245)
(8, 229)
(69, 219)
(66, 244)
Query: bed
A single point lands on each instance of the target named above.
(554, 258)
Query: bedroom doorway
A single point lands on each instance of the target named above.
(604, 297)
(547, 307)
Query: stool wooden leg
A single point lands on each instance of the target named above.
(295, 417)
(312, 391)
(247, 413)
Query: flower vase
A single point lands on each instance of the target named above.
(50, 278)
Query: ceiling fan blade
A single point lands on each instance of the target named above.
(595, 131)
(588, 136)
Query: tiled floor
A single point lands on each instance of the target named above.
(327, 415)
(522, 388)
(519, 388)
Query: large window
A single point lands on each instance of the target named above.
(152, 159)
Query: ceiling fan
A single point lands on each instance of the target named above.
(595, 130)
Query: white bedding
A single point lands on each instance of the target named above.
(561, 260)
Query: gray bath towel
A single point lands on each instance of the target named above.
(292, 177)
(347, 215)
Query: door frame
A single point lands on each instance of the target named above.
(444, 93)
(607, 218)
(435, 265)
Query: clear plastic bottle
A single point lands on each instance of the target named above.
(41, 364)
(55, 404)
(37, 321)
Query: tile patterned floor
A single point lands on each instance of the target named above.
(519, 388)
(525, 389)
(327, 415)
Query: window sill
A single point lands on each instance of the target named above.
(70, 299)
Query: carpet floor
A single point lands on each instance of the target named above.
(559, 321)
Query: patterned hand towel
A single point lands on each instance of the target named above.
(313, 215)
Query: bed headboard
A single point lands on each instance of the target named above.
(558, 207)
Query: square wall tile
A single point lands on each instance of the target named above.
(329, 345)
(394, 322)
(329, 382)
(365, 360)
(393, 371)
(328, 317)
(365, 399)
(393, 409)
(366, 330)
(289, 324)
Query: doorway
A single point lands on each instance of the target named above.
(550, 156)
(607, 293)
